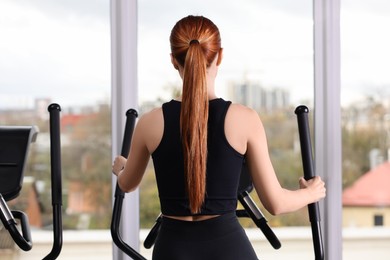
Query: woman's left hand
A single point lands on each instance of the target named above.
(118, 165)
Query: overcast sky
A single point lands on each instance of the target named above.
(61, 49)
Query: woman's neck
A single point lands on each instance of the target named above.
(210, 87)
(210, 97)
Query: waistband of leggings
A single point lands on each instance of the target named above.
(219, 226)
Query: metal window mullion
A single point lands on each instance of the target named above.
(124, 95)
(327, 119)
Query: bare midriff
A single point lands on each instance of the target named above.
(192, 218)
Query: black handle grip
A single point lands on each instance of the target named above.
(151, 238)
(308, 169)
(259, 219)
(131, 116)
(56, 179)
(55, 153)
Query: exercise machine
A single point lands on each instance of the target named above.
(245, 187)
(14, 147)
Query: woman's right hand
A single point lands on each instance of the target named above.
(315, 187)
(118, 165)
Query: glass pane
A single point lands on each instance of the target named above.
(59, 51)
(365, 94)
(267, 65)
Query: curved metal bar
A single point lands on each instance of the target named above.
(151, 237)
(258, 218)
(131, 116)
(8, 218)
(308, 169)
(56, 180)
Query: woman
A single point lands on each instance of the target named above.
(198, 143)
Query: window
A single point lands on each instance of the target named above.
(59, 51)
(378, 220)
(365, 95)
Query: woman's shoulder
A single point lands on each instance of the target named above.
(242, 111)
(151, 116)
(241, 123)
(243, 116)
(150, 127)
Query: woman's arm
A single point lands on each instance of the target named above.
(147, 135)
(276, 199)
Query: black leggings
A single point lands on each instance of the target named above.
(217, 238)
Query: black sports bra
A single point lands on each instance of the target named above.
(223, 164)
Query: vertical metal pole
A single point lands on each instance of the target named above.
(124, 96)
(56, 180)
(327, 119)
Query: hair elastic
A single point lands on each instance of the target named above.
(194, 41)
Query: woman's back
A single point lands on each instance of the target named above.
(223, 164)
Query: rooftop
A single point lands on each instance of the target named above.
(371, 189)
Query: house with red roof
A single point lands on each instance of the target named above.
(367, 202)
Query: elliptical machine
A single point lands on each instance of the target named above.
(245, 187)
(14, 147)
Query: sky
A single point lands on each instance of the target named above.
(61, 49)
(365, 60)
(58, 49)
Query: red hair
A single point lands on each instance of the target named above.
(195, 42)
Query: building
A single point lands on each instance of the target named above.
(367, 202)
(258, 97)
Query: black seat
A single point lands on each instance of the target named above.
(14, 147)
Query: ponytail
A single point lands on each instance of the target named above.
(193, 123)
(195, 42)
